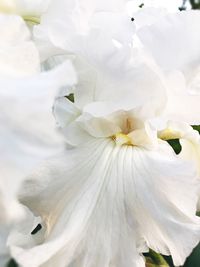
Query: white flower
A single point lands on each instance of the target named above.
(119, 189)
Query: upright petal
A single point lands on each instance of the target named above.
(174, 40)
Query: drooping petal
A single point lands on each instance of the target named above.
(163, 208)
(106, 201)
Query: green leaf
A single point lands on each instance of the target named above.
(195, 4)
(70, 97)
(194, 259)
(175, 144)
(12, 263)
(196, 127)
(154, 259)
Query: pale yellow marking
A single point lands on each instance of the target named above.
(33, 20)
(122, 139)
(169, 134)
(128, 125)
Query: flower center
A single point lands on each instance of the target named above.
(122, 139)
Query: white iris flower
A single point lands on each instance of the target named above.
(119, 188)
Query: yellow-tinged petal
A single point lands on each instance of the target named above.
(122, 139)
(168, 134)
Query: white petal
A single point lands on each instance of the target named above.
(98, 127)
(169, 5)
(66, 22)
(101, 200)
(190, 150)
(161, 208)
(65, 111)
(183, 105)
(148, 16)
(118, 26)
(67, 115)
(18, 54)
(189, 141)
(27, 125)
(31, 8)
(173, 40)
(24, 7)
(27, 128)
(125, 82)
(175, 45)
(119, 74)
